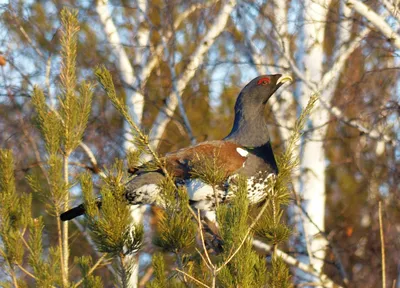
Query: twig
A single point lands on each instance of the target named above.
(334, 248)
(264, 207)
(91, 270)
(21, 235)
(26, 271)
(202, 257)
(146, 277)
(296, 263)
(306, 236)
(192, 278)
(91, 243)
(208, 262)
(14, 278)
(92, 158)
(59, 238)
(65, 245)
(382, 246)
(180, 265)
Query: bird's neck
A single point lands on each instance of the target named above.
(249, 128)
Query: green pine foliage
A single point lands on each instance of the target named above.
(110, 226)
(160, 280)
(74, 109)
(88, 280)
(47, 271)
(13, 222)
(21, 235)
(246, 268)
(278, 275)
(62, 130)
(176, 228)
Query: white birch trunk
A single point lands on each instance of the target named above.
(284, 111)
(135, 104)
(313, 156)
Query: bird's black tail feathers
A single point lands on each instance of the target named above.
(72, 213)
(77, 211)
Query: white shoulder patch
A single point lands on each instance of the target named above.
(242, 152)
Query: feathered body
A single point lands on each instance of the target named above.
(245, 151)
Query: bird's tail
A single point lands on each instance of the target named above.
(72, 213)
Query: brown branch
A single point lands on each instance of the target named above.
(331, 244)
(146, 277)
(208, 262)
(264, 207)
(91, 242)
(91, 270)
(26, 271)
(296, 263)
(180, 265)
(192, 278)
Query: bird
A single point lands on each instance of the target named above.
(245, 151)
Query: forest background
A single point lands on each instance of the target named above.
(179, 65)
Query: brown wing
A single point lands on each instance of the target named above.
(224, 154)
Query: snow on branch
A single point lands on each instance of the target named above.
(376, 20)
(196, 60)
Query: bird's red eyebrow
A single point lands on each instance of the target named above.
(263, 79)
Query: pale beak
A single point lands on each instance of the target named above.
(284, 78)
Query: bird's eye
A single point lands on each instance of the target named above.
(263, 81)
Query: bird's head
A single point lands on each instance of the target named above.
(249, 127)
(260, 89)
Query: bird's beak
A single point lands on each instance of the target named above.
(283, 79)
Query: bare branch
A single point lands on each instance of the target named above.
(208, 262)
(376, 20)
(91, 243)
(192, 278)
(372, 133)
(134, 99)
(168, 110)
(394, 11)
(327, 282)
(94, 267)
